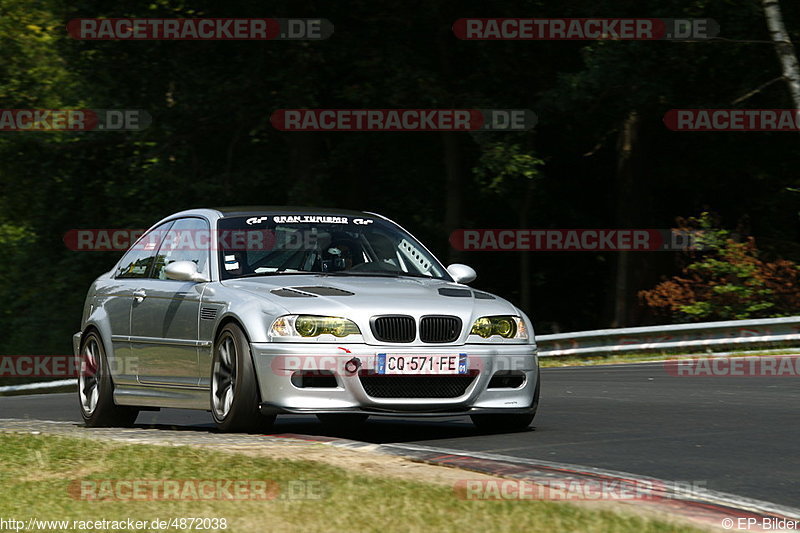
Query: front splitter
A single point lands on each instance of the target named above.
(272, 409)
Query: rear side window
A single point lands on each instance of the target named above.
(138, 261)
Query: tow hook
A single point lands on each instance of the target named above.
(352, 366)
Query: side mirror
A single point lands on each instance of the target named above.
(462, 273)
(184, 271)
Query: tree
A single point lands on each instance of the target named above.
(506, 170)
(783, 47)
(726, 280)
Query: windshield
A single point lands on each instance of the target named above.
(336, 245)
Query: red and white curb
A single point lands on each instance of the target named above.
(700, 505)
(710, 507)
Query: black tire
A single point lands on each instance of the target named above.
(511, 422)
(343, 420)
(235, 402)
(96, 388)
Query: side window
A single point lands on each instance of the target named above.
(189, 239)
(138, 261)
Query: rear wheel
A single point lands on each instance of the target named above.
(234, 390)
(96, 388)
(510, 422)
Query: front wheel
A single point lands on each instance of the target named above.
(96, 389)
(234, 391)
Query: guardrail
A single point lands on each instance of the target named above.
(39, 385)
(706, 336)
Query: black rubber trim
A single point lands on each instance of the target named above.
(272, 409)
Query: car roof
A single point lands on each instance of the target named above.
(221, 212)
(289, 210)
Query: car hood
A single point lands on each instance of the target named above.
(354, 296)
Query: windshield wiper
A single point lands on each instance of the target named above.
(338, 273)
(376, 274)
(274, 273)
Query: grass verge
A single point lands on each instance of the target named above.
(37, 471)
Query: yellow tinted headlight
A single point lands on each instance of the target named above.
(482, 327)
(313, 326)
(307, 326)
(504, 327)
(508, 327)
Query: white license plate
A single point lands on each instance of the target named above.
(405, 364)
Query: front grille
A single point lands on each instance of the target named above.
(416, 386)
(394, 328)
(439, 328)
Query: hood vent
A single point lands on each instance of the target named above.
(324, 291)
(483, 295)
(455, 293)
(291, 293)
(465, 293)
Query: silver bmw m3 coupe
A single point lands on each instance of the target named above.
(253, 312)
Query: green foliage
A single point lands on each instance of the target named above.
(726, 280)
(33, 73)
(503, 166)
(211, 142)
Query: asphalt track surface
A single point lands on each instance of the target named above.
(739, 435)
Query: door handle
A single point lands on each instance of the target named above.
(139, 295)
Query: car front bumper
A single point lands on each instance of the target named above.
(276, 362)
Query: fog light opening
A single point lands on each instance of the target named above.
(314, 379)
(507, 379)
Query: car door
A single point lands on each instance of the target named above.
(117, 296)
(165, 313)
